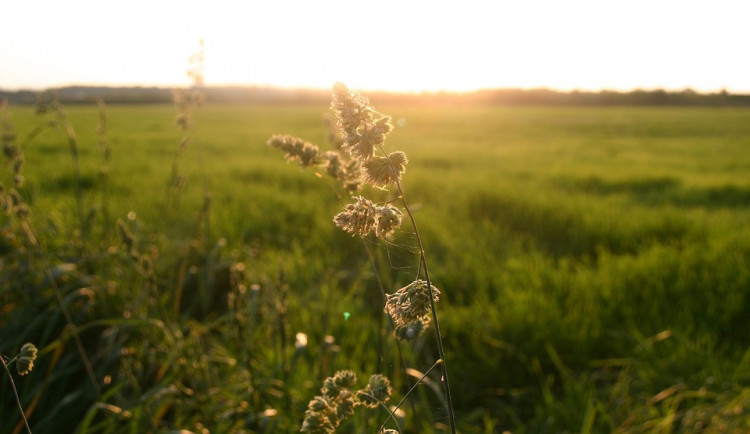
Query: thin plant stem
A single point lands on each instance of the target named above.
(73, 145)
(436, 325)
(106, 150)
(76, 335)
(393, 412)
(15, 393)
(398, 342)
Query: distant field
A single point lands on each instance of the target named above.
(594, 263)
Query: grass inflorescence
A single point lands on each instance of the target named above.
(363, 131)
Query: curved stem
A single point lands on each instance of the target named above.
(393, 412)
(15, 393)
(73, 145)
(398, 342)
(436, 325)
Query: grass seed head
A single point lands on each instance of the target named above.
(362, 128)
(316, 422)
(377, 391)
(363, 216)
(296, 149)
(324, 413)
(345, 407)
(343, 168)
(358, 218)
(407, 332)
(382, 171)
(26, 358)
(411, 303)
(318, 404)
(345, 379)
(389, 220)
(351, 111)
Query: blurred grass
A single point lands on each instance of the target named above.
(595, 268)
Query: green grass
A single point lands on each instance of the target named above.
(594, 264)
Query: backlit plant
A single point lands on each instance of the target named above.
(360, 159)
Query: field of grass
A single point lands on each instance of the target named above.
(594, 265)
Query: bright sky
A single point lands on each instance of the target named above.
(412, 45)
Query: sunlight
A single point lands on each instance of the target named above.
(416, 46)
(404, 46)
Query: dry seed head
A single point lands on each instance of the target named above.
(333, 164)
(373, 135)
(380, 387)
(388, 221)
(382, 171)
(362, 128)
(338, 401)
(345, 378)
(358, 218)
(343, 168)
(345, 408)
(329, 389)
(363, 216)
(378, 391)
(407, 332)
(296, 149)
(317, 422)
(318, 404)
(411, 303)
(26, 358)
(351, 110)
(371, 138)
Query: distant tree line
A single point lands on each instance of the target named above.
(266, 95)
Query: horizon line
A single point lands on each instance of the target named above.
(379, 90)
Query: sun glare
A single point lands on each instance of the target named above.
(393, 45)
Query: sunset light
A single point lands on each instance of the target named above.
(381, 216)
(391, 45)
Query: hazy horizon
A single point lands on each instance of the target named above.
(325, 89)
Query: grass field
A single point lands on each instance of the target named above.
(594, 266)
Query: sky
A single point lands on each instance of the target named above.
(397, 45)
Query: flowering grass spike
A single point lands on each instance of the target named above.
(411, 303)
(26, 359)
(296, 149)
(363, 216)
(338, 400)
(383, 171)
(360, 158)
(362, 128)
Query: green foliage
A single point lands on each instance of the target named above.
(594, 267)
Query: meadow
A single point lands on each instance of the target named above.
(594, 265)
